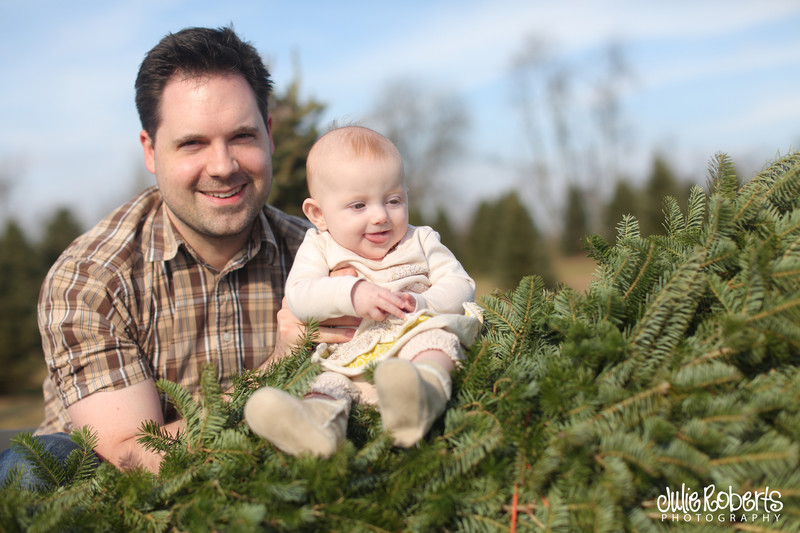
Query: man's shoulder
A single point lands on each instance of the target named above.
(288, 228)
(283, 219)
(119, 238)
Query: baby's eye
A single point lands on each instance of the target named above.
(394, 201)
(358, 205)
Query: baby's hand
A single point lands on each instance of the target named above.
(409, 301)
(372, 301)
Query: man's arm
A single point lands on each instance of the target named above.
(86, 328)
(117, 417)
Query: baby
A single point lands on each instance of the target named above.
(409, 289)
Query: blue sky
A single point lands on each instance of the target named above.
(708, 76)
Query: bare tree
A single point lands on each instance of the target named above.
(5, 190)
(572, 122)
(529, 69)
(11, 168)
(616, 73)
(428, 127)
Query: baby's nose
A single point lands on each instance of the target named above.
(379, 215)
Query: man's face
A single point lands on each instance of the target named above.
(212, 157)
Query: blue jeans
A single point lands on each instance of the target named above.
(57, 444)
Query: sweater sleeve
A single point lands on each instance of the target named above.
(451, 286)
(311, 294)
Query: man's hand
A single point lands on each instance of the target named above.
(377, 303)
(290, 331)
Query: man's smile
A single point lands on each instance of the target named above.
(223, 195)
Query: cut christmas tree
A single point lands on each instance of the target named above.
(666, 397)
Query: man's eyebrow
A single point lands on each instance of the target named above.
(245, 129)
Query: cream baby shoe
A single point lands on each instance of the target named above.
(297, 426)
(411, 396)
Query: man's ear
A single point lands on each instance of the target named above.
(313, 212)
(269, 134)
(149, 151)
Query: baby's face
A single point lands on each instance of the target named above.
(364, 204)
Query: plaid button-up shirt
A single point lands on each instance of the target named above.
(130, 300)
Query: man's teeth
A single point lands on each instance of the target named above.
(224, 194)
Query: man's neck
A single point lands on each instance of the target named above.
(219, 252)
(216, 252)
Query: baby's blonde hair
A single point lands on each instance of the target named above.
(361, 142)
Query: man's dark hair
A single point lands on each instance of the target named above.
(194, 52)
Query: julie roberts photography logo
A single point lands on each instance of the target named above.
(720, 505)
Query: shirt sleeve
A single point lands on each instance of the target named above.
(88, 335)
(311, 293)
(451, 286)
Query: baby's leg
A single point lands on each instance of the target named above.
(413, 389)
(436, 357)
(366, 391)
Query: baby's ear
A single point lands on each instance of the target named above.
(313, 212)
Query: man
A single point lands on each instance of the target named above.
(191, 271)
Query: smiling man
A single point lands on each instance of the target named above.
(189, 272)
(212, 162)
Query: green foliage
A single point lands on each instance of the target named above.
(623, 202)
(679, 366)
(80, 463)
(504, 244)
(294, 130)
(661, 183)
(19, 288)
(576, 222)
(646, 203)
(447, 232)
(23, 265)
(59, 231)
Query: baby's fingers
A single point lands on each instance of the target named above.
(409, 303)
(377, 314)
(393, 305)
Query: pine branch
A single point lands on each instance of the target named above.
(44, 465)
(81, 462)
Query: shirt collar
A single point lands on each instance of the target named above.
(163, 241)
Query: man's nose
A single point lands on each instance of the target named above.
(222, 162)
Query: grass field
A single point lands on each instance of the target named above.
(26, 411)
(21, 411)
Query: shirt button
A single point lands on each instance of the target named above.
(226, 336)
